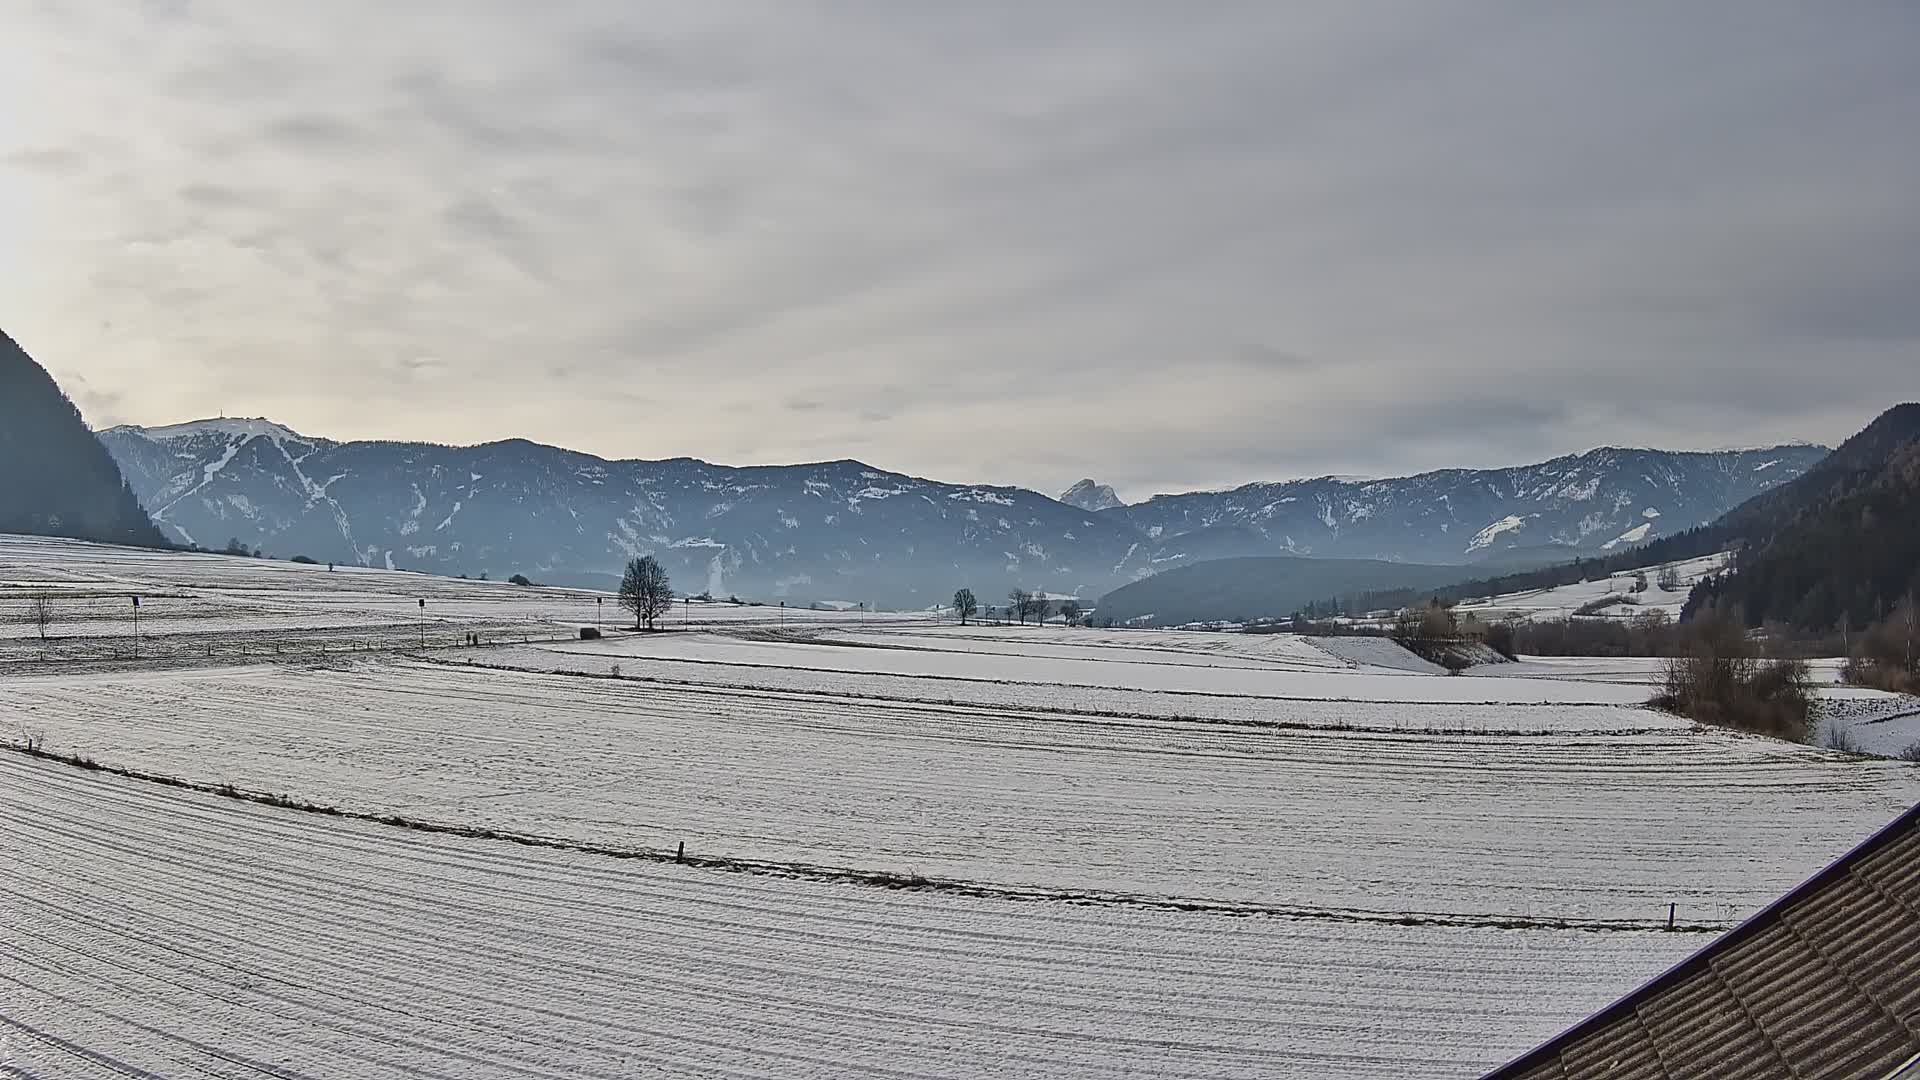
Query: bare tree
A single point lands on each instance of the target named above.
(966, 605)
(1019, 603)
(645, 590)
(1669, 579)
(1042, 607)
(1070, 611)
(40, 611)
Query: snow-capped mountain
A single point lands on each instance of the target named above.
(1089, 496)
(846, 531)
(1602, 500)
(830, 531)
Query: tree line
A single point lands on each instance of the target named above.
(1021, 606)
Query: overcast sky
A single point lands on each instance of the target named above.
(1165, 245)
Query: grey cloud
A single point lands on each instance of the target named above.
(1267, 243)
(485, 223)
(313, 130)
(1268, 358)
(100, 407)
(58, 160)
(222, 197)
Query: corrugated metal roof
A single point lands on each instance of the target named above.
(1825, 983)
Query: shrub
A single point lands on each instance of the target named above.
(1718, 680)
(1887, 655)
(589, 633)
(1595, 607)
(1841, 739)
(303, 560)
(1911, 753)
(519, 579)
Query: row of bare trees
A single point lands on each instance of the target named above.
(1887, 655)
(1021, 605)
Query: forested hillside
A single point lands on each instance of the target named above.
(1845, 562)
(1790, 535)
(55, 477)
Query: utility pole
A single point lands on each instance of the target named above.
(423, 622)
(599, 607)
(783, 614)
(1909, 631)
(136, 628)
(686, 612)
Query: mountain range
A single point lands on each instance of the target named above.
(843, 530)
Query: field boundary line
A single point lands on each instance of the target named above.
(1295, 698)
(1112, 714)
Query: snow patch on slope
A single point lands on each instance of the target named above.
(241, 428)
(1631, 536)
(1485, 537)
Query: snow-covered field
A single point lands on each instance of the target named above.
(151, 932)
(223, 607)
(1152, 852)
(1868, 721)
(1521, 712)
(1491, 826)
(1315, 675)
(1563, 601)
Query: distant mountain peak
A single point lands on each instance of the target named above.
(1091, 497)
(241, 427)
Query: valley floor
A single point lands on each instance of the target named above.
(913, 850)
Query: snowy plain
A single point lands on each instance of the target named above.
(1315, 675)
(1174, 853)
(1491, 826)
(202, 606)
(151, 932)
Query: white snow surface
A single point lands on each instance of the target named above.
(1485, 537)
(1158, 853)
(1323, 678)
(155, 932)
(1563, 601)
(239, 427)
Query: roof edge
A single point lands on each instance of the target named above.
(1747, 928)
